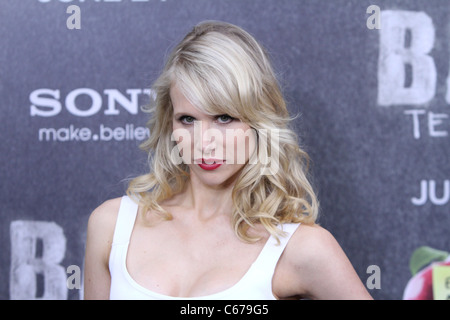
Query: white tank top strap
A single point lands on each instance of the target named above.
(270, 254)
(125, 221)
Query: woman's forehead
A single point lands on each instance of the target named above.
(182, 105)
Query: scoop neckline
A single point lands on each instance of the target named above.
(270, 241)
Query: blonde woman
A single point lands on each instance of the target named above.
(226, 210)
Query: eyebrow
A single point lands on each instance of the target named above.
(176, 115)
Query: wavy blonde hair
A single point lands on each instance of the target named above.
(222, 69)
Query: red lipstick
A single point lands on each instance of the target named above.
(213, 164)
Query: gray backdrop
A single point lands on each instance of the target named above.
(374, 105)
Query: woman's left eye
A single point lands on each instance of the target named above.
(225, 118)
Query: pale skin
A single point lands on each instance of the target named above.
(197, 252)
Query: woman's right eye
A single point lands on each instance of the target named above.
(186, 119)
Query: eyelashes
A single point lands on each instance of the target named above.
(186, 119)
(222, 119)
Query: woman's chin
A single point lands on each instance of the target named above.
(217, 178)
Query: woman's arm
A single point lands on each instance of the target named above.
(100, 231)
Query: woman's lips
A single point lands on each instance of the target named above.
(209, 164)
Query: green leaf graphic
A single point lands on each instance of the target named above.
(423, 256)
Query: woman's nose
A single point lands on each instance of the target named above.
(205, 137)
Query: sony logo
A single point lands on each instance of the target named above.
(46, 102)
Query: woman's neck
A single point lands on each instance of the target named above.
(204, 201)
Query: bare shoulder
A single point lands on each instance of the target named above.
(105, 215)
(319, 266)
(102, 221)
(313, 238)
(311, 245)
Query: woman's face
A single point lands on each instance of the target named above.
(214, 147)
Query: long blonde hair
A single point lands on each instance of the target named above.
(222, 69)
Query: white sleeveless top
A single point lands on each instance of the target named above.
(256, 284)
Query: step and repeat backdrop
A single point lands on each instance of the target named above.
(370, 80)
